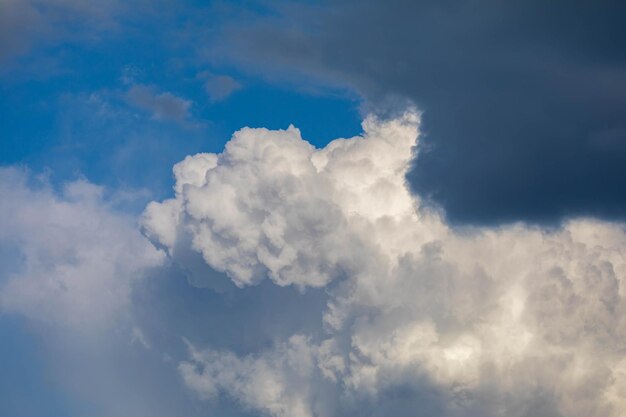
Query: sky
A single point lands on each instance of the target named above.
(312, 208)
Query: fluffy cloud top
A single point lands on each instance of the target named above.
(421, 318)
(273, 204)
(68, 258)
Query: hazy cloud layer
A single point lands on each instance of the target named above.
(68, 259)
(525, 104)
(420, 318)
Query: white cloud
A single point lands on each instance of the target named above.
(74, 258)
(515, 320)
(274, 383)
(272, 204)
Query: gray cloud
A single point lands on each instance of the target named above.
(15, 19)
(609, 140)
(162, 105)
(30, 23)
(220, 87)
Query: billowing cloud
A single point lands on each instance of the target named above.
(68, 258)
(272, 204)
(421, 318)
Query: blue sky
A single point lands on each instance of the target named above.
(312, 209)
(72, 115)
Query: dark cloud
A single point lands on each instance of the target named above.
(524, 102)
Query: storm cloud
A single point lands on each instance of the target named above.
(524, 102)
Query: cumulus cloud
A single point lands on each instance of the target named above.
(272, 204)
(68, 258)
(161, 105)
(420, 317)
